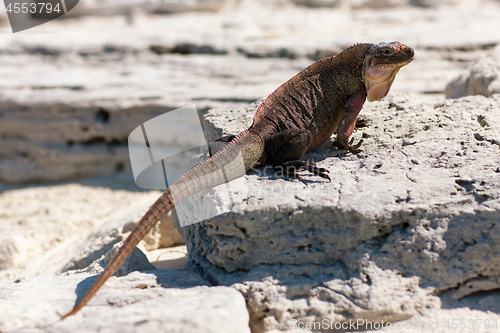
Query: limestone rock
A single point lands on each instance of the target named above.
(375, 4)
(9, 252)
(423, 201)
(60, 142)
(375, 296)
(482, 79)
(43, 227)
(159, 301)
(47, 230)
(70, 122)
(78, 228)
(136, 261)
(128, 7)
(162, 235)
(435, 199)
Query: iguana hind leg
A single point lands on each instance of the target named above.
(286, 148)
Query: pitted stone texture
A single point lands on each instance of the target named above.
(422, 200)
(376, 296)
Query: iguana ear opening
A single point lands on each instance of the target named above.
(378, 86)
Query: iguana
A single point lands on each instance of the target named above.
(322, 99)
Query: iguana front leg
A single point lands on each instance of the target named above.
(348, 123)
(285, 148)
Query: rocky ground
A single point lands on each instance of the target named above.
(420, 251)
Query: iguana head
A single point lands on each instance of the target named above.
(382, 63)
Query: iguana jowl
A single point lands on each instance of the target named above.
(322, 99)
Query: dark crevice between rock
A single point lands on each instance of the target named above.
(102, 116)
(279, 53)
(97, 140)
(479, 137)
(482, 121)
(462, 48)
(225, 99)
(78, 88)
(187, 48)
(43, 50)
(467, 185)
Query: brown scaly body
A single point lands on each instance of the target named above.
(322, 99)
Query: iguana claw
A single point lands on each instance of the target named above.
(348, 146)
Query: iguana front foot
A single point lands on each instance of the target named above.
(290, 169)
(348, 146)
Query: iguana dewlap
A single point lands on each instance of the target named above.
(323, 99)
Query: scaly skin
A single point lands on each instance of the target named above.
(322, 99)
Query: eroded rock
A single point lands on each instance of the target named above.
(422, 200)
(376, 4)
(483, 78)
(128, 7)
(172, 301)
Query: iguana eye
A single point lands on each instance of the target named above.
(387, 52)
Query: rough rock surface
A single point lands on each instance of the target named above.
(60, 142)
(482, 79)
(56, 92)
(422, 201)
(36, 234)
(60, 81)
(40, 237)
(128, 7)
(376, 4)
(79, 235)
(172, 301)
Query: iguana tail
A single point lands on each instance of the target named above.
(239, 156)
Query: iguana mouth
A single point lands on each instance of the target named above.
(390, 64)
(382, 63)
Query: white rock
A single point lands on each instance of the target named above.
(482, 79)
(375, 296)
(159, 301)
(162, 301)
(58, 92)
(128, 7)
(423, 200)
(47, 230)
